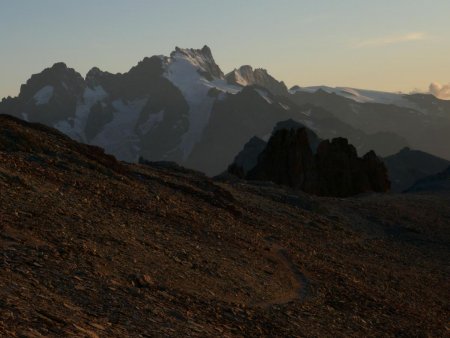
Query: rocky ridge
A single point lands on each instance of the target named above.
(247, 76)
(181, 107)
(294, 156)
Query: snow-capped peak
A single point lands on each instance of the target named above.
(201, 59)
(243, 76)
(195, 73)
(247, 76)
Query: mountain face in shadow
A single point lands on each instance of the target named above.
(422, 120)
(294, 156)
(183, 108)
(438, 183)
(408, 166)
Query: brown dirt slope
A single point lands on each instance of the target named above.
(91, 247)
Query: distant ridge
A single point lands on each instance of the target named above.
(183, 108)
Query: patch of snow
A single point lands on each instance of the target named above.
(43, 95)
(182, 69)
(66, 128)
(152, 120)
(184, 75)
(307, 112)
(361, 95)
(225, 87)
(266, 137)
(239, 79)
(90, 97)
(119, 137)
(76, 130)
(284, 106)
(264, 95)
(310, 124)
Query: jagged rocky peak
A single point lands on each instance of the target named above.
(342, 173)
(204, 53)
(286, 160)
(59, 67)
(247, 76)
(313, 139)
(333, 170)
(148, 66)
(202, 59)
(247, 157)
(295, 89)
(377, 172)
(287, 124)
(242, 76)
(49, 96)
(57, 79)
(94, 75)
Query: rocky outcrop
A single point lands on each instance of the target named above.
(313, 139)
(246, 76)
(334, 170)
(287, 160)
(377, 172)
(247, 158)
(49, 96)
(202, 58)
(342, 173)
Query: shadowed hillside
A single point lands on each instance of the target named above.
(99, 248)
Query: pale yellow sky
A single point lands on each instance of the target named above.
(383, 45)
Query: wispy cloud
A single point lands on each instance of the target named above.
(391, 40)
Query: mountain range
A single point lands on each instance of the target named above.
(183, 108)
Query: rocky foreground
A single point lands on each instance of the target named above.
(98, 248)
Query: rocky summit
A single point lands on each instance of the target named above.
(95, 247)
(294, 156)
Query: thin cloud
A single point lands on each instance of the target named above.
(391, 40)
